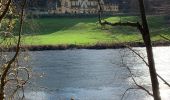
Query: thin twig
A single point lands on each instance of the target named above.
(127, 91)
(147, 64)
(8, 64)
(138, 86)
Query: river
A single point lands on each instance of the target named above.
(94, 74)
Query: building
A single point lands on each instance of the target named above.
(78, 6)
(161, 6)
(151, 6)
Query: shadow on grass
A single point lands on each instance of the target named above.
(51, 25)
(44, 26)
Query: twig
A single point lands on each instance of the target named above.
(127, 91)
(8, 64)
(147, 64)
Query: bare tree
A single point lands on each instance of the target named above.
(10, 69)
(144, 30)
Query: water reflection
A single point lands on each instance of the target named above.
(94, 74)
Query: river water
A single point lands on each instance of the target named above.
(94, 74)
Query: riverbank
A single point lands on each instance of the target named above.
(87, 33)
(96, 46)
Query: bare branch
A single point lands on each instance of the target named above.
(8, 65)
(137, 54)
(147, 64)
(144, 30)
(127, 91)
(132, 24)
(141, 87)
(163, 80)
(131, 74)
(5, 10)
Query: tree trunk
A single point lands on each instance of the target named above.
(146, 38)
(2, 96)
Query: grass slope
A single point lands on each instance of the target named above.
(86, 31)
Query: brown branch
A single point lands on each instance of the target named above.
(163, 80)
(144, 30)
(141, 30)
(131, 24)
(147, 64)
(8, 65)
(114, 24)
(100, 11)
(127, 91)
(5, 10)
(137, 83)
(20, 80)
(137, 54)
(131, 74)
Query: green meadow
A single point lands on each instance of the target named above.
(87, 31)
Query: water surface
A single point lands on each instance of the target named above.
(94, 74)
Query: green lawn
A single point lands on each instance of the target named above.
(87, 31)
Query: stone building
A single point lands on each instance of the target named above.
(151, 6)
(81, 6)
(161, 6)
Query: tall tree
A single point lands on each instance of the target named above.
(144, 30)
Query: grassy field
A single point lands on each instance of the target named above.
(87, 31)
